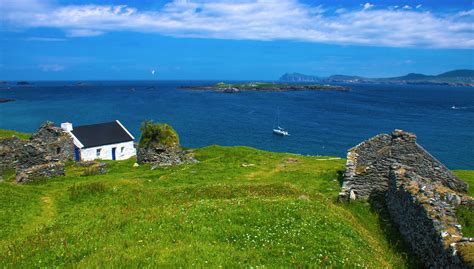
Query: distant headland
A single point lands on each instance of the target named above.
(264, 87)
(462, 77)
(6, 100)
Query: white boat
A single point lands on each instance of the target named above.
(280, 131)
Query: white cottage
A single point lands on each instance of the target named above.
(106, 141)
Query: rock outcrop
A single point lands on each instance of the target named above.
(421, 195)
(368, 165)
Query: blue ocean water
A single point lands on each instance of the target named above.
(320, 122)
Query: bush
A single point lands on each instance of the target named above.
(158, 134)
(78, 191)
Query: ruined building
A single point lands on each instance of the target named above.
(421, 195)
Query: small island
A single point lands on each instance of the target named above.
(6, 100)
(23, 83)
(264, 86)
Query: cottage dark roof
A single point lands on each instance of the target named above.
(101, 134)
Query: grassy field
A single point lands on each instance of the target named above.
(466, 214)
(261, 85)
(10, 133)
(468, 177)
(237, 207)
(247, 85)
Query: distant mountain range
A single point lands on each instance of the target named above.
(462, 77)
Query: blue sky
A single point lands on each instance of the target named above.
(230, 39)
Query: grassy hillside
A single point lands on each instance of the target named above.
(237, 207)
(466, 214)
(10, 133)
(468, 177)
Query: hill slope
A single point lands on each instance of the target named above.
(457, 73)
(298, 77)
(455, 77)
(237, 207)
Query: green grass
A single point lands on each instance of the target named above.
(10, 133)
(257, 85)
(468, 177)
(237, 207)
(465, 214)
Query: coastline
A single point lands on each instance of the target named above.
(264, 87)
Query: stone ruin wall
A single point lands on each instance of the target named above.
(160, 155)
(419, 192)
(366, 175)
(50, 144)
(9, 153)
(368, 165)
(57, 143)
(425, 213)
(406, 151)
(47, 170)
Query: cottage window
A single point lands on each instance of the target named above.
(97, 152)
(122, 149)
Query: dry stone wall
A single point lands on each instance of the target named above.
(57, 143)
(41, 171)
(366, 175)
(50, 144)
(368, 165)
(425, 212)
(419, 192)
(159, 156)
(405, 150)
(9, 153)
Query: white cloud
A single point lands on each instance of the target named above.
(419, 6)
(406, 7)
(368, 6)
(466, 13)
(51, 67)
(258, 20)
(45, 39)
(83, 32)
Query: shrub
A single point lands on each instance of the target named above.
(158, 134)
(78, 191)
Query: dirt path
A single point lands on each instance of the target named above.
(48, 212)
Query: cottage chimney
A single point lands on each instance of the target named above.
(67, 126)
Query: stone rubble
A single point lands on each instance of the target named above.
(41, 171)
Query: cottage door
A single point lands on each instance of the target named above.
(113, 153)
(77, 154)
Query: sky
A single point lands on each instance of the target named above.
(231, 39)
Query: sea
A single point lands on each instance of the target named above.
(319, 122)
